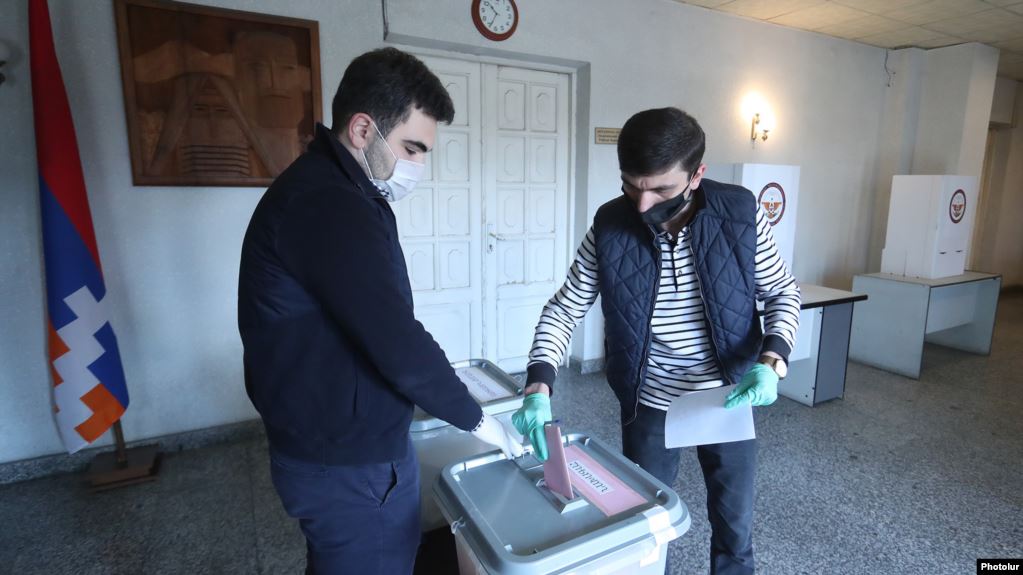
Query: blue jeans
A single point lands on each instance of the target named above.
(728, 470)
(356, 518)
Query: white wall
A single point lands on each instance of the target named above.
(900, 117)
(1003, 103)
(999, 246)
(955, 105)
(171, 255)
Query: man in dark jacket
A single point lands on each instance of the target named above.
(334, 358)
(680, 262)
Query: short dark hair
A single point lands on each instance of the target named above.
(386, 84)
(655, 141)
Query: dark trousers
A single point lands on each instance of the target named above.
(728, 470)
(360, 519)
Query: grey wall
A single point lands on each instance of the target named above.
(171, 255)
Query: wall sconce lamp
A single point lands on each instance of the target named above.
(753, 132)
(755, 110)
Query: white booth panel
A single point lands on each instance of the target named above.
(776, 188)
(930, 223)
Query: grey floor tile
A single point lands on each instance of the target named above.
(54, 525)
(204, 529)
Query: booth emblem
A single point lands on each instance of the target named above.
(957, 207)
(772, 199)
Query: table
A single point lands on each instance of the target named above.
(817, 364)
(889, 331)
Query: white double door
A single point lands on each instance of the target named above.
(485, 233)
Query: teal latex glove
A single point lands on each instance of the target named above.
(758, 387)
(529, 420)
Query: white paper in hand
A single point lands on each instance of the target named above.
(700, 418)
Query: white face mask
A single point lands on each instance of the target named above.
(403, 179)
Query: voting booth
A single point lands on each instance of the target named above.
(506, 521)
(439, 443)
(923, 293)
(930, 224)
(776, 188)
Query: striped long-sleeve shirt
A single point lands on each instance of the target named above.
(681, 357)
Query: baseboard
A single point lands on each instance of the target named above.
(48, 465)
(586, 366)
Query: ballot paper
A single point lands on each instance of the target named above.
(700, 418)
(482, 387)
(555, 469)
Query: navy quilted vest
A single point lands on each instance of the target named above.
(724, 242)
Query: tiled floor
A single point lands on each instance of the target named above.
(900, 476)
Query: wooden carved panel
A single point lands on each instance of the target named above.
(215, 97)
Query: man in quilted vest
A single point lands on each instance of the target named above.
(680, 262)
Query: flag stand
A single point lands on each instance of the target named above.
(123, 466)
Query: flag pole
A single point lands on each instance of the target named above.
(122, 455)
(124, 466)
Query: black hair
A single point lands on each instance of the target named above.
(655, 141)
(386, 84)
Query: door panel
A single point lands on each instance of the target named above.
(511, 158)
(512, 97)
(511, 205)
(526, 186)
(485, 234)
(438, 224)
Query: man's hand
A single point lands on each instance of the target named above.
(529, 420)
(758, 387)
(492, 431)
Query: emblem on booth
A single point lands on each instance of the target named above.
(957, 207)
(772, 199)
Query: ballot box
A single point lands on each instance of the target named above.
(506, 521)
(776, 188)
(930, 224)
(439, 443)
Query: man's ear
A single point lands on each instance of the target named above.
(699, 176)
(360, 130)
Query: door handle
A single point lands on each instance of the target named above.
(493, 238)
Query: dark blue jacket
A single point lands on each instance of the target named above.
(724, 244)
(334, 357)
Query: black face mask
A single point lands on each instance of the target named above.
(668, 209)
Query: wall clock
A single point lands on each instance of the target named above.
(495, 19)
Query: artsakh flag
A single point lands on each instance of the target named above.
(89, 389)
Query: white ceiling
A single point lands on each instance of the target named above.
(898, 23)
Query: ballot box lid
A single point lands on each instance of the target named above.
(491, 387)
(515, 527)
